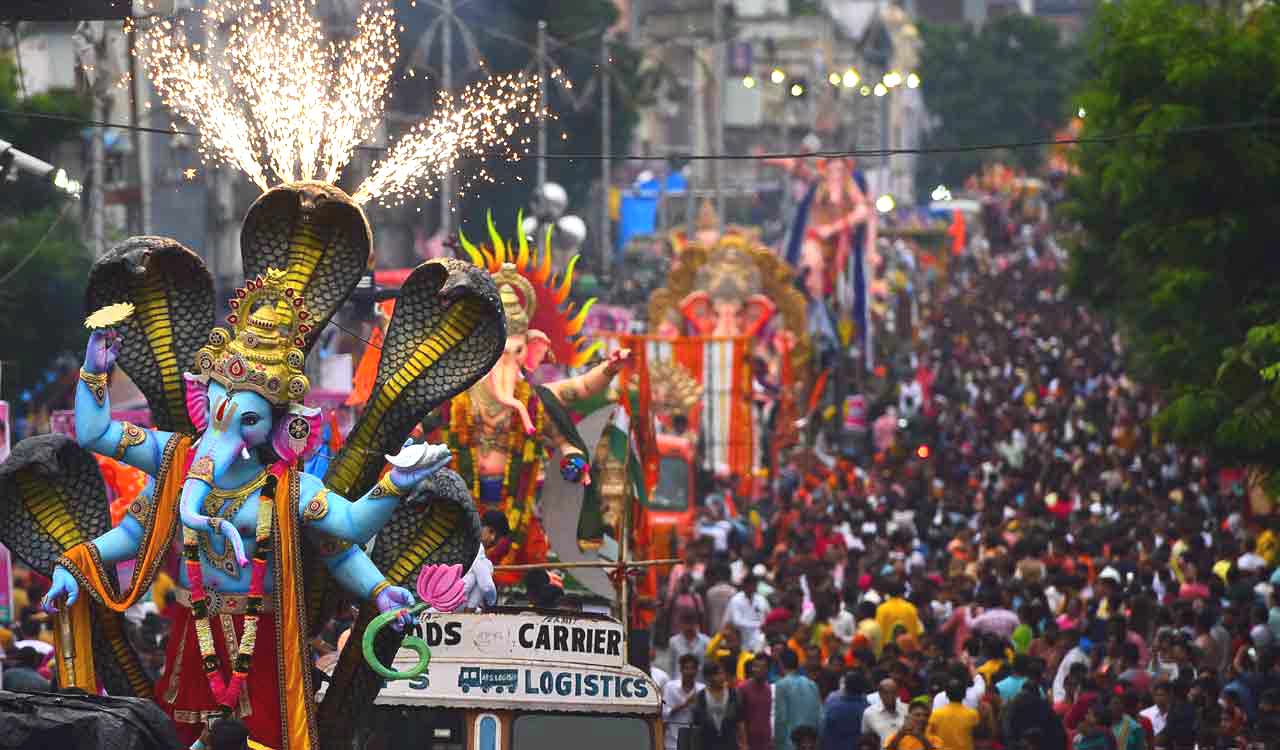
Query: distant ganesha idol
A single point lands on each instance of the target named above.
(262, 542)
(504, 428)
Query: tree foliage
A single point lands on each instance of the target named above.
(40, 304)
(1180, 223)
(1009, 82)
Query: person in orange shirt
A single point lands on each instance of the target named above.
(914, 734)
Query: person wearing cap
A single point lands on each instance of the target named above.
(1077, 654)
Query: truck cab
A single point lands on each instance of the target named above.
(522, 680)
(672, 504)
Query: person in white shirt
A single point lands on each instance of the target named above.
(687, 641)
(1158, 714)
(656, 673)
(972, 694)
(746, 611)
(678, 699)
(1079, 654)
(885, 719)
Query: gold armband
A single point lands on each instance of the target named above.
(383, 586)
(202, 470)
(97, 384)
(385, 487)
(130, 436)
(317, 508)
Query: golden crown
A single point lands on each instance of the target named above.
(263, 351)
(519, 299)
(674, 388)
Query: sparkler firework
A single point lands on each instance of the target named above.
(274, 99)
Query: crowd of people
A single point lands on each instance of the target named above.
(1013, 559)
(1016, 562)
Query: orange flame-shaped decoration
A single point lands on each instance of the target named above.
(553, 313)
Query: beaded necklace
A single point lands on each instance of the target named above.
(227, 693)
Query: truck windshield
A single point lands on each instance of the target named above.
(418, 728)
(672, 492)
(540, 731)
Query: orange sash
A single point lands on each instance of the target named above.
(75, 623)
(291, 622)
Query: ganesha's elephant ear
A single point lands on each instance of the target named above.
(52, 498)
(316, 234)
(172, 294)
(447, 332)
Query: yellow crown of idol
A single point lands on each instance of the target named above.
(263, 351)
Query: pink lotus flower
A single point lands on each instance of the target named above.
(441, 587)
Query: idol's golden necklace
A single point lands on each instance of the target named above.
(221, 505)
(492, 421)
(486, 403)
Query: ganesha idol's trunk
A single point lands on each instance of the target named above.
(502, 382)
(215, 455)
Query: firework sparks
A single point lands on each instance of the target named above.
(484, 118)
(276, 100)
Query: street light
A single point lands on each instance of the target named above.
(777, 76)
(850, 78)
(797, 89)
(12, 158)
(1081, 113)
(865, 91)
(885, 203)
(880, 89)
(941, 193)
(834, 79)
(913, 81)
(892, 78)
(748, 82)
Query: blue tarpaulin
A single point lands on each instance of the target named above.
(638, 213)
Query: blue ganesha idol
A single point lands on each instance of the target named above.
(267, 550)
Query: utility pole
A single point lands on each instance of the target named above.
(141, 140)
(92, 41)
(696, 134)
(542, 103)
(884, 139)
(720, 48)
(446, 80)
(606, 149)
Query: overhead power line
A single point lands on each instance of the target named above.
(1258, 124)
